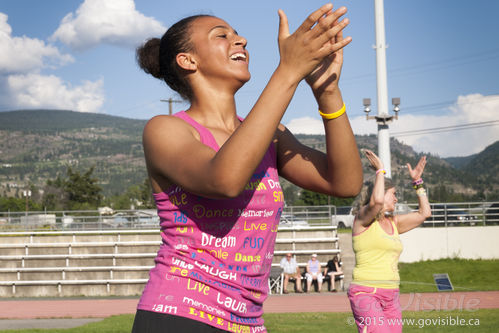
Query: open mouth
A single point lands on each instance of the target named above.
(238, 57)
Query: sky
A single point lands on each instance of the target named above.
(442, 62)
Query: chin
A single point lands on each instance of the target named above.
(246, 78)
(243, 81)
(389, 210)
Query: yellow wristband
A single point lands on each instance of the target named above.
(334, 114)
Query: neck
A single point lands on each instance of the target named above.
(214, 109)
(382, 216)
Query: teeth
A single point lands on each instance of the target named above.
(238, 56)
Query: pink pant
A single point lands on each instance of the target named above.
(375, 309)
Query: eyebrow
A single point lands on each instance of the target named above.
(223, 27)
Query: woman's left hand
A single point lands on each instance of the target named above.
(418, 170)
(324, 79)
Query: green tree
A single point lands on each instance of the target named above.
(339, 202)
(146, 194)
(12, 204)
(54, 196)
(82, 190)
(309, 198)
(138, 196)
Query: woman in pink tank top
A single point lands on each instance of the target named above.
(215, 176)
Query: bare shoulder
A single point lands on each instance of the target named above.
(167, 127)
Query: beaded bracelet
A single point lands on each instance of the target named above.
(417, 184)
(417, 181)
(334, 114)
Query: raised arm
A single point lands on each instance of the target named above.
(338, 172)
(174, 153)
(410, 221)
(367, 213)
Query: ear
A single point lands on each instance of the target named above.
(186, 61)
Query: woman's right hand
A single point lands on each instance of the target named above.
(373, 159)
(302, 51)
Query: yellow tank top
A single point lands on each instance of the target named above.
(376, 255)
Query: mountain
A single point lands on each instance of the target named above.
(39, 145)
(444, 181)
(485, 165)
(459, 162)
(49, 121)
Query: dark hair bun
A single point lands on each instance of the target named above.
(148, 57)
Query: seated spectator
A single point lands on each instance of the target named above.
(291, 270)
(333, 270)
(314, 272)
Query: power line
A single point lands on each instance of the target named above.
(432, 66)
(439, 105)
(443, 129)
(436, 66)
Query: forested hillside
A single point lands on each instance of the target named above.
(37, 146)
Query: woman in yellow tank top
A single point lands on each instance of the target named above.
(374, 291)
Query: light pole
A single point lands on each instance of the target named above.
(383, 118)
(27, 194)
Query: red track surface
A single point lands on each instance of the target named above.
(324, 302)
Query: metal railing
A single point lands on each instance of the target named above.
(443, 215)
(457, 214)
(79, 220)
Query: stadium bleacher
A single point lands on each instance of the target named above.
(117, 262)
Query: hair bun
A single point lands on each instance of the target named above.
(148, 57)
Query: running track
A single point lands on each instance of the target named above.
(314, 302)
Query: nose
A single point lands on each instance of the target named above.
(240, 40)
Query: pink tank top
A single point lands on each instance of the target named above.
(214, 263)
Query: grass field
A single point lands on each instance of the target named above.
(481, 321)
(465, 275)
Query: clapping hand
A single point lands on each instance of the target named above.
(325, 77)
(316, 39)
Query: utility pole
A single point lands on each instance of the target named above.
(383, 118)
(170, 102)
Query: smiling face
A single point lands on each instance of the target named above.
(390, 199)
(219, 52)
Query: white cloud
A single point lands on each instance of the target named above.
(22, 85)
(309, 125)
(41, 91)
(306, 125)
(468, 109)
(106, 21)
(24, 54)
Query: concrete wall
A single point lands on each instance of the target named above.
(462, 242)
